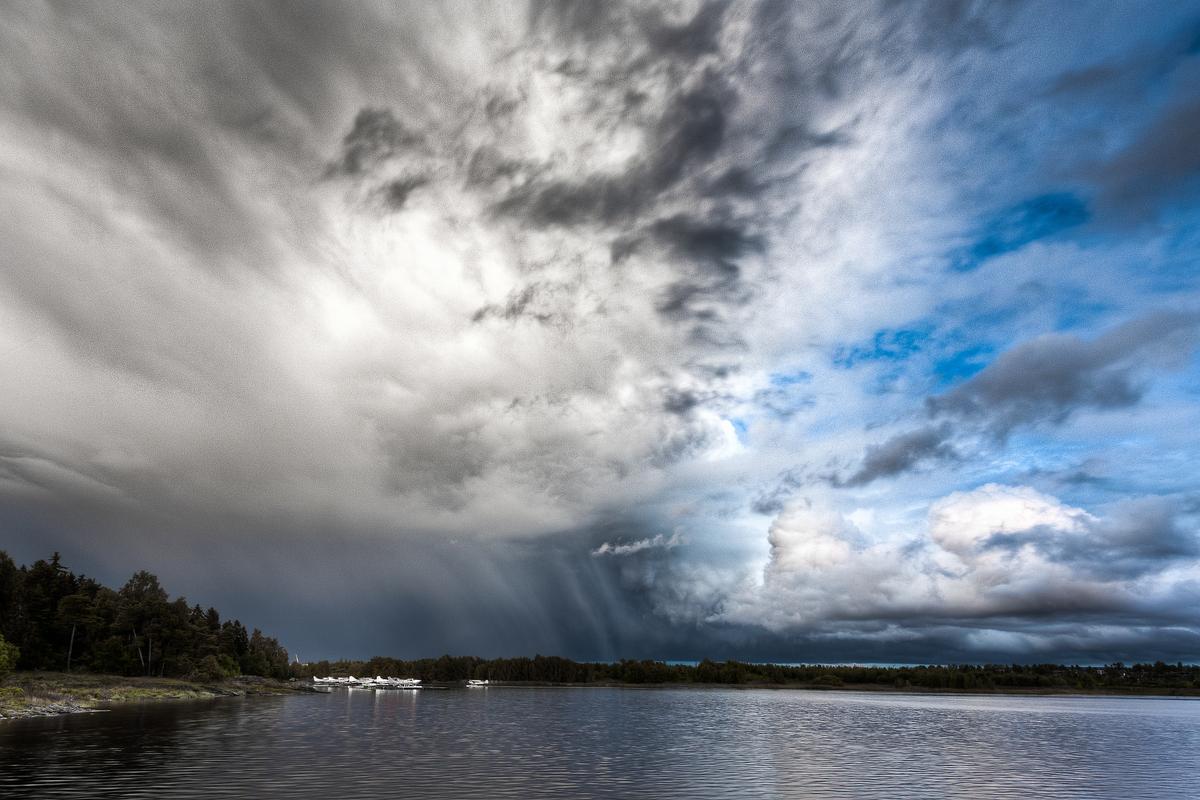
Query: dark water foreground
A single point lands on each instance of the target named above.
(613, 743)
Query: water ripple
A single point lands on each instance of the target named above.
(612, 743)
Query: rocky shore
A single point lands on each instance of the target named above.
(43, 694)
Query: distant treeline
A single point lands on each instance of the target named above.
(62, 621)
(552, 669)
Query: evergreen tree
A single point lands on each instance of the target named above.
(53, 619)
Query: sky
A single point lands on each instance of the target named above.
(776, 331)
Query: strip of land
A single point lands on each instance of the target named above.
(1046, 691)
(40, 694)
(37, 694)
(1158, 678)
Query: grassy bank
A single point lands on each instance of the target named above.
(35, 694)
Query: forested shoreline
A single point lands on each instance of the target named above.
(1114, 678)
(57, 620)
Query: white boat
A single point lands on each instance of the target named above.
(473, 683)
(407, 683)
(378, 682)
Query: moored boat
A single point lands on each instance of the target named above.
(378, 682)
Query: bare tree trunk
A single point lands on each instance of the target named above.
(141, 660)
(71, 647)
(149, 653)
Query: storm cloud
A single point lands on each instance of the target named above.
(984, 558)
(1053, 376)
(609, 329)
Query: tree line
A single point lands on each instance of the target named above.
(57, 620)
(554, 669)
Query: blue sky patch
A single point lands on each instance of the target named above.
(783, 379)
(961, 365)
(886, 345)
(1015, 227)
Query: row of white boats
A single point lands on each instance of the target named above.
(380, 682)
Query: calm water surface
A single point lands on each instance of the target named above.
(610, 743)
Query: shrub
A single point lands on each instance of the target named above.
(8, 657)
(212, 668)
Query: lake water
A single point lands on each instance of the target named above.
(613, 743)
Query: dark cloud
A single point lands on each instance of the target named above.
(1142, 537)
(692, 39)
(1127, 76)
(529, 302)
(1001, 565)
(395, 193)
(681, 402)
(715, 246)
(415, 595)
(568, 203)
(679, 446)
(1053, 376)
(1157, 167)
(772, 500)
(1118, 80)
(1139, 538)
(703, 150)
(708, 254)
(903, 453)
(384, 592)
(686, 135)
(489, 165)
(500, 107)
(1092, 472)
(1160, 168)
(1045, 380)
(376, 136)
(608, 22)
(689, 133)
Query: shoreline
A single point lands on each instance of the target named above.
(25, 695)
(872, 688)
